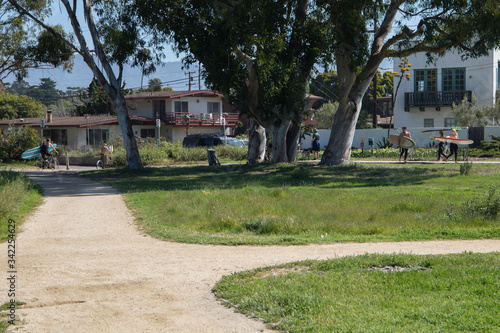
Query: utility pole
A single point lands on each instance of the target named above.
(199, 75)
(190, 78)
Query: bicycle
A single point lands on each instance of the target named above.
(51, 162)
(102, 162)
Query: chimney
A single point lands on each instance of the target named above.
(49, 116)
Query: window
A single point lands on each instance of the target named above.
(429, 122)
(97, 136)
(58, 136)
(148, 133)
(498, 76)
(181, 106)
(450, 122)
(159, 108)
(425, 80)
(453, 79)
(213, 107)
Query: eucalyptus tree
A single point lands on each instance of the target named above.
(23, 47)
(403, 27)
(259, 54)
(113, 40)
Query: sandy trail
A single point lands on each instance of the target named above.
(84, 267)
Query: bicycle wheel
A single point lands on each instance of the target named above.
(98, 165)
(54, 164)
(39, 163)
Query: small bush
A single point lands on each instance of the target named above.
(486, 207)
(303, 173)
(15, 140)
(465, 168)
(270, 225)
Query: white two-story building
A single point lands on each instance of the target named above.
(426, 99)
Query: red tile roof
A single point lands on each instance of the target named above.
(69, 121)
(172, 94)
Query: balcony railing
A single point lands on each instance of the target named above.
(201, 119)
(436, 98)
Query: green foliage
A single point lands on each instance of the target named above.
(282, 48)
(52, 50)
(465, 168)
(13, 107)
(15, 140)
(324, 115)
(480, 207)
(17, 197)
(155, 84)
(175, 153)
(325, 85)
(300, 203)
(490, 148)
(470, 114)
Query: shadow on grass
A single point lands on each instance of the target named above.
(266, 175)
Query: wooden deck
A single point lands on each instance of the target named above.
(202, 120)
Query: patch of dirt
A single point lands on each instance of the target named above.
(83, 266)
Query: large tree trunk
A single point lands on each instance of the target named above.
(292, 141)
(132, 152)
(339, 146)
(279, 134)
(256, 143)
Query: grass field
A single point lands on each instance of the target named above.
(372, 293)
(301, 203)
(18, 196)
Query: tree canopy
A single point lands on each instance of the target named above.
(260, 54)
(116, 40)
(23, 46)
(366, 32)
(14, 106)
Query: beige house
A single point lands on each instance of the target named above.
(178, 112)
(184, 112)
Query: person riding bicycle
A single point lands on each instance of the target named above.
(103, 155)
(44, 149)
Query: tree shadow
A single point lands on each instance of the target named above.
(266, 175)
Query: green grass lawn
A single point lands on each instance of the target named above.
(18, 197)
(299, 204)
(372, 293)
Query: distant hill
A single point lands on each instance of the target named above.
(172, 74)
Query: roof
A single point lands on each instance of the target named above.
(172, 94)
(69, 121)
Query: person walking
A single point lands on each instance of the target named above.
(103, 156)
(440, 144)
(453, 146)
(315, 144)
(404, 151)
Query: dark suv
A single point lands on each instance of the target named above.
(202, 140)
(209, 140)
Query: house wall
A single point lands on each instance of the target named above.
(143, 108)
(422, 140)
(481, 78)
(196, 105)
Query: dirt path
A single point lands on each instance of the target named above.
(84, 267)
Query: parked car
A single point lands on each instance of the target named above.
(209, 140)
(232, 142)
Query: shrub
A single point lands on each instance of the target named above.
(487, 148)
(465, 168)
(175, 152)
(15, 140)
(486, 207)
